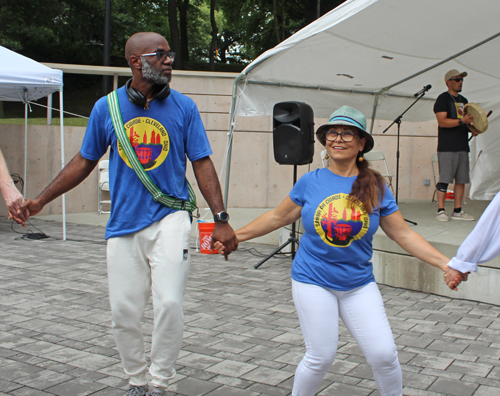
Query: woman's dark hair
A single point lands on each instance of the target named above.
(369, 186)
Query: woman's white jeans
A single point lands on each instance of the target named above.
(362, 311)
(156, 258)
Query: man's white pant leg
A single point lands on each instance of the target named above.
(129, 279)
(170, 263)
(157, 256)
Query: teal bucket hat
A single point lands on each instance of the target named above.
(347, 115)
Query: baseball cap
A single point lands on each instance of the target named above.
(453, 73)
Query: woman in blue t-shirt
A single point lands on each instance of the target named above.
(341, 208)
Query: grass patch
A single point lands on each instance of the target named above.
(73, 121)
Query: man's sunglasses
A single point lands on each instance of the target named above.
(456, 79)
(161, 55)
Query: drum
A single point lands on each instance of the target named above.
(480, 123)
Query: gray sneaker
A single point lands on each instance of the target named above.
(462, 216)
(137, 390)
(157, 392)
(442, 216)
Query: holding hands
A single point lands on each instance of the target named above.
(220, 247)
(453, 277)
(11, 195)
(13, 200)
(224, 239)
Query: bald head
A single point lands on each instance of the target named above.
(144, 42)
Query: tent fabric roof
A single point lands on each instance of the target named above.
(375, 55)
(23, 79)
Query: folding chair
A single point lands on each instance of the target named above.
(375, 155)
(103, 185)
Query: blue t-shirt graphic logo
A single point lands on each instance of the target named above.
(150, 141)
(340, 219)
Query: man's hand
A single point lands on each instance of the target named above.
(473, 130)
(468, 119)
(224, 234)
(28, 208)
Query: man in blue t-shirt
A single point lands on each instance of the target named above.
(453, 145)
(147, 242)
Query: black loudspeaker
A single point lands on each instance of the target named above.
(293, 133)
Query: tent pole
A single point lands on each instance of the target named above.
(61, 118)
(25, 148)
(49, 109)
(374, 113)
(444, 61)
(328, 89)
(230, 137)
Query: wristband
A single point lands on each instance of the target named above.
(460, 122)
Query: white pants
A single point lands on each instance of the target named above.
(362, 311)
(156, 258)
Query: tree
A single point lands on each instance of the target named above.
(71, 31)
(175, 38)
(183, 21)
(254, 26)
(213, 42)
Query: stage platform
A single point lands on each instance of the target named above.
(392, 265)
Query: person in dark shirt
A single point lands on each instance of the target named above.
(453, 145)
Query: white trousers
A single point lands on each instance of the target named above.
(154, 259)
(362, 311)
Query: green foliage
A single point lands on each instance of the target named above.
(199, 30)
(43, 121)
(131, 16)
(254, 26)
(72, 31)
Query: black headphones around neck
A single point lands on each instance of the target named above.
(137, 98)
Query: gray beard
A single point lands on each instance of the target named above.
(152, 74)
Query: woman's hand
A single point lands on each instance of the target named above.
(220, 247)
(453, 277)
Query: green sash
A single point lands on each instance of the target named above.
(158, 196)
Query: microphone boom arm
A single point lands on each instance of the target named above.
(398, 119)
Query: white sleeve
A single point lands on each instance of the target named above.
(483, 243)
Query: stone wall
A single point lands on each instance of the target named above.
(256, 181)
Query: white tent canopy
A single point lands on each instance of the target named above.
(24, 80)
(375, 55)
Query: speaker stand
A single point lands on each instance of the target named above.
(292, 240)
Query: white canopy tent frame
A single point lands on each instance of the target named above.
(382, 75)
(23, 80)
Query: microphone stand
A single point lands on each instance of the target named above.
(398, 121)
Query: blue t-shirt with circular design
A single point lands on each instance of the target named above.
(163, 138)
(336, 248)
